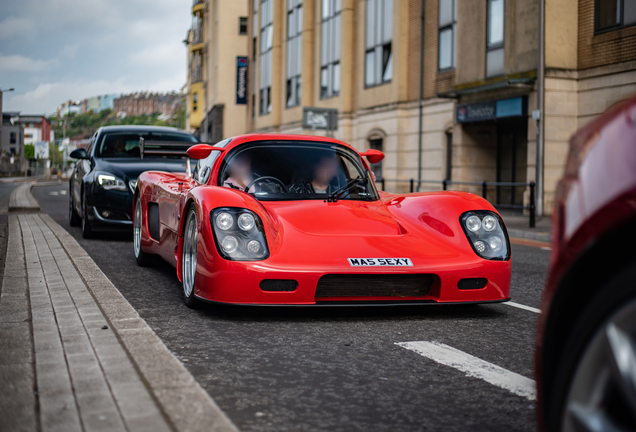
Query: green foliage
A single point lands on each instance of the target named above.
(29, 151)
(55, 155)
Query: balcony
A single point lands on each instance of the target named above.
(197, 35)
(197, 5)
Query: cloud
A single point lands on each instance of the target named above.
(159, 54)
(13, 26)
(20, 63)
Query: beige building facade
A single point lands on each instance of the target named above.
(217, 49)
(447, 92)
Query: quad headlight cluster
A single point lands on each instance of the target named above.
(239, 234)
(486, 233)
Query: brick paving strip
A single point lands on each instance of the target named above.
(22, 200)
(75, 356)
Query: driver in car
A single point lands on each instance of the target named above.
(325, 171)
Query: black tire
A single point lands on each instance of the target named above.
(87, 231)
(74, 219)
(187, 280)
(582, 349)
(143, 259)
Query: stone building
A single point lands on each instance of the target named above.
(458, 90)
(217, 69)
(144, 103)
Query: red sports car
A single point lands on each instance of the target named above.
(586, 346)
(298, 220)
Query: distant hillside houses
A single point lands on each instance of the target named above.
(94, 104)
(140, 103)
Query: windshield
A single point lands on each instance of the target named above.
(293, 171)
(126, 144)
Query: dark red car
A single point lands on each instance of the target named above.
(586, 344)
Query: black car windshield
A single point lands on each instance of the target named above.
(125, 144)
(279, 170)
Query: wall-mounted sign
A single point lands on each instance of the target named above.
(491, 110)
(320, 118)
(241, 80)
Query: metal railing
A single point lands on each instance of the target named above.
(531, 207)
(196, 2)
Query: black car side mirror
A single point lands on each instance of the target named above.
(80, 153)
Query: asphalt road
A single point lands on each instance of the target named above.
(333, 369)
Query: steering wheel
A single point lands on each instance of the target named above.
(282, 185)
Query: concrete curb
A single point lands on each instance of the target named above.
(21, 199)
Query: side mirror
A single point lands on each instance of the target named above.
(80, 153)
(373, 156)
(201, 151)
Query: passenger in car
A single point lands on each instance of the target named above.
(325, 171)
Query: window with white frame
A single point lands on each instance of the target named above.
(267, 40)
(495, 38)
(447, 34)
(294, 51)
(330, 49)
(378, 61)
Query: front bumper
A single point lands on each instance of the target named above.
(240, 283)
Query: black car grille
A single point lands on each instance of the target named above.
(371, 285)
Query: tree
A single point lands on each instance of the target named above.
(55, 155)
(29, 151)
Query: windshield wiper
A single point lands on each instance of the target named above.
(333, 196)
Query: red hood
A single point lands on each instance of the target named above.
(342, 218)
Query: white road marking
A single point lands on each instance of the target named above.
(474, 367)
(55, 193)
(62, 192)
(546, 248)
(522, 306)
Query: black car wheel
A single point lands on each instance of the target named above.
(87, 231)
(74, 219)
(598, 365)
(142, 258)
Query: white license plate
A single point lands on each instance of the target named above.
(380, 262)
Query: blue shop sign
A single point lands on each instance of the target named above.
(491, 110)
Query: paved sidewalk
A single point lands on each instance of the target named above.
(22, 200)
(75, 356)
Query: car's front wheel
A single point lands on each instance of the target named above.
(142, 258)
(601, 352)
(189, 257)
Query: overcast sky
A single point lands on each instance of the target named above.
(55, 50)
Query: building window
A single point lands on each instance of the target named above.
(447, 32)
(495, 38)
(330, 49)
(294, 50)
(379, 35)
(242, 25)
(614, 14)
(376, 144)
(267, 41)
(449, 156)
(13, 138)
(254, 53)
(195, 102)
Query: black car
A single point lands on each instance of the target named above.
(105, 175)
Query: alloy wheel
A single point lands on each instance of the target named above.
(190, 255)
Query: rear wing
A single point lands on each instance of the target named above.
(174, 149)
(164, 148)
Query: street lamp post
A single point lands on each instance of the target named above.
(2, 91)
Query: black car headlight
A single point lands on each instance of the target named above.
(239, 234)
(109, 181)
(486, 234)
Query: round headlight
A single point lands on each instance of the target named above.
(224, 221)
(495, 243)
(489, 223)
(480, 246)
(229, 244)
(246, 222)
(473, 223)
(253, 247)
